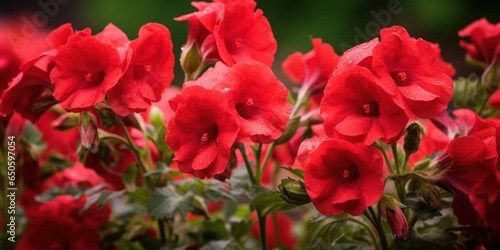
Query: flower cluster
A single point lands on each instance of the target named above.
(379, 146)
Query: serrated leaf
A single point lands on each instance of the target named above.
(165, 202)
(270, 202)
(295, 171)
(325, 231)
(106, 196)
(139, 195)
(213, 230)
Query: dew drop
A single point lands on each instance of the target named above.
(310, 147)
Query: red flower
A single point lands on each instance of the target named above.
(258, 96)
(356, 108)
(281, 231)
(485, 41)
(202, 131)
(149, 72)
(60, 224)
(230, 31)
(412, 66)
(30, 92)
(470, 174)
(86, 68)
(312, 69)
(341, 177)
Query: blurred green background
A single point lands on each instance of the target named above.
(339, 23)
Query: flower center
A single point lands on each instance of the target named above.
(147, 68)
(204, 137)
(249, 102)
(237, 43)
(370, 110)
(399, 78)
(350, 173)
(88, 77)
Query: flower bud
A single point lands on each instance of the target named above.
(88, 130)
(156, 117)
(108, 117)
(390, 209)
(293, 192)
(431, 195)
(65, 121)
(398, 223)
(412, 137)
(491, 78)
(191, 60)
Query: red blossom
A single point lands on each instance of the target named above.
(149, 71)
(203, 131)
(312, 69)
(258, 96)
(485, 41)
(230, 31)
(60, 224)
(356, 108)
(341, 177)
(420, 76)
(85, 70)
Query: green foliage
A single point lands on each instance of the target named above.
(164, 203)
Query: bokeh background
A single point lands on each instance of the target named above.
(338, 22)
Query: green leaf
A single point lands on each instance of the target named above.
(240, 228)
(421, 209)
(140, 196)
(161, 145)
(213, 230)
(437, 240)
(102, 198)
(297, 172)
(270, 202)
(324, 231)
(165, 202)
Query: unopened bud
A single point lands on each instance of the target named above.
(65, 121)
(491, 78)
(108, 117)
(293, 192)
(412, 137)
(88, 130)
(390, 209)
(431, 195)
(156, 117)
(191, 59)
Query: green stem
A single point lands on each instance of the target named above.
(262, 227)
(258, 165)
(267, 157)
(380, 229)
(241, 147)
(142, 168)
(394, 148)
(161, 227)
(369, 229)
(146, 140)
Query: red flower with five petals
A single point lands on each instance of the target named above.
(202, 131)
(356, 108)
(341, 177)
(230, 31)
(485, 41)
(258, 96)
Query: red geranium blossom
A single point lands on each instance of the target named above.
(341, 177)
(259, 98)
(419, 75)
(485, 41)
(85, 70)
(150, 71)
(356, 108)
(312, 69)
(470, 173)
(202, 131)
(60, 224)
(230, 31)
